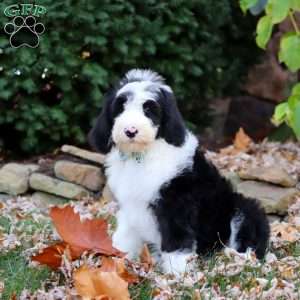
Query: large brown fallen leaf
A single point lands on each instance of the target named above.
(88, 235)
(242, 141)
(94, 282)
(77, 237)
(52, 255)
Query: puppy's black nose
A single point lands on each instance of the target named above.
(131, 132)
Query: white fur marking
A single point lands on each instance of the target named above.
(235, 225)
(136, 185)
(144, 75)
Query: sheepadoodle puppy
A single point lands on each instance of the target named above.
(169, 195)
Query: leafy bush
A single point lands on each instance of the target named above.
(276, 11)
(50, 94)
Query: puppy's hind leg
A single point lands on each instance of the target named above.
(249, 228)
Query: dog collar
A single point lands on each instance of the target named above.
(137, 156)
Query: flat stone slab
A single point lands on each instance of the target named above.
(273, 198)
(44, 200)
(232, 177)
(273, 174)
(4, 197)
(14, 178)
(85, 154)
(44, 183)
(90, 177)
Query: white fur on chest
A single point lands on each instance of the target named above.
(135, 185)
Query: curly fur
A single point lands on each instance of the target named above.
(171, 197)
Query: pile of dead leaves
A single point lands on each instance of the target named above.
(109, 280)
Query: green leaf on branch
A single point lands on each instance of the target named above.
(278, 10)
(295, 4)
(290, 51)
(296, 120)
(296, 90)
(246, 4)
(280, 113)
(292, 102)
(264, 31)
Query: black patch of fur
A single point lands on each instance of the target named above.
(198, 205)
(152, 110)
(100, 135)
(172, 127)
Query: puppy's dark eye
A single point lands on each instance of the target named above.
(119, 105)
(152, 111)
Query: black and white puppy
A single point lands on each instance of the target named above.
(169, 195)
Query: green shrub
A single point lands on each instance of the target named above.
(276, 12)
(49, 95)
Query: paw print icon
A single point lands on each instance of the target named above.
(24, 32)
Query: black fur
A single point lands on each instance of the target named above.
(199, 204)
(172, 127)
(100, 135)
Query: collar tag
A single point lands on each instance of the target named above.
(137, 156)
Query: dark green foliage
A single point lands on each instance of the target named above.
(202, 47)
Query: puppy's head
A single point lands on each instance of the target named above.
(139, 110)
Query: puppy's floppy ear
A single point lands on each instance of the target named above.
(99, 136)
(172, 127)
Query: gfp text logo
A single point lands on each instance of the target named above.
(23, 29)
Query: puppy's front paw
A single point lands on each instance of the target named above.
(177, 263)
(128, 243)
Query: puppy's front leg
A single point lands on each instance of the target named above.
(126, 238)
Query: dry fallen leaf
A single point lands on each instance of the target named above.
(13, 296)
(93, 282)
(242, 141)
(146, 258)
(77, 237)
(88, 235)
(285, 232)
(52, 255)
(287, 272)
(110, 264)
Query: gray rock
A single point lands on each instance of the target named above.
(273, 198)
(85, 154)
(4, 197)
(274, 218)
(44, 183)
(14, 178)
(232, 177)
(88, 176)
(44, 200)
(272, 174)
(107, 194)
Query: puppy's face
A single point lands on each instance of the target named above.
(137, 116)
(136, 113)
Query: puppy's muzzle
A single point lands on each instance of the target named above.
(131, 132)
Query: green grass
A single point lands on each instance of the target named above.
(290, 249)
(17, 275)
(141, 291)
(4, 224)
